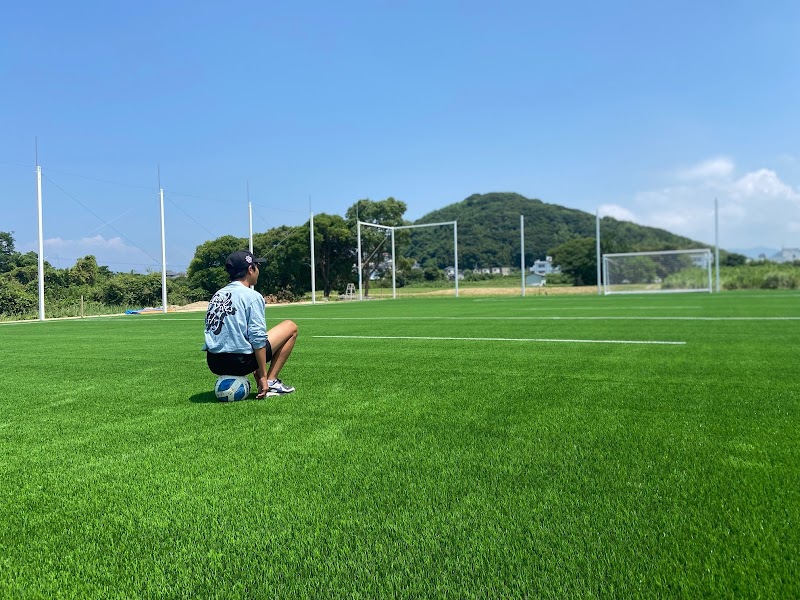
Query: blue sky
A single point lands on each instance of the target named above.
(645, 111)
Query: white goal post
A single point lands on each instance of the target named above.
(667, 271)
(394, 264)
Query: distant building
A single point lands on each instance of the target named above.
(493, 271)
(450, 272)
(544, 267)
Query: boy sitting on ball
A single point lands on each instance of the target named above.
(236, 338)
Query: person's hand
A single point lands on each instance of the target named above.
(263, 387)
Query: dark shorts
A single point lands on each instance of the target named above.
(230, 363)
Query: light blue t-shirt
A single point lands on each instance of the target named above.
(235, 320)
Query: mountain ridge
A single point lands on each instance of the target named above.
(489, 232)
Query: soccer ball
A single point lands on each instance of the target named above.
(230, 388)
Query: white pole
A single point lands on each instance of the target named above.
(522, 251)
(358, 232)
(455, 251)
(41, 242)
(250, 228)
(708, 256)
(163, 257)
(597, 240)
(394, 271)
(716, 239)
(250, 218)
(313, 269)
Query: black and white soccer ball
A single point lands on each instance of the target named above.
(230, 388)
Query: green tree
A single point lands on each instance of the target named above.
(287, 272)
(375, 241)
(207, 268)
(85, 271)
(133, 290)
(636, 269)
(15, 300)
(732, 259)
(578, 259)
(7, 250)
(433, 274)
(335, 251)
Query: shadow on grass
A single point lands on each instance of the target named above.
(204, 397)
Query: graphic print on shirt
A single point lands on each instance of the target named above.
(219, 308)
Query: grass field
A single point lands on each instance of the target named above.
(552, 447)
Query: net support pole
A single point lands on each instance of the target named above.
(41, 241)
(394, 271)
(716, 241)
(250, 227)
(313, 265)
(163, 256)
(455, 251)
(360, 282)
(522, 251)
(597, 249)
(249, 219)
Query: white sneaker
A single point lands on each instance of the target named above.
(278, 387)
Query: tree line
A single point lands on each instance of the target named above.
(86, 281)
(488, 234)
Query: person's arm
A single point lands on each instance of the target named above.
(257, 332)
(261, 372)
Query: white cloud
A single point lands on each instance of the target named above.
(87, 244)
(763, 184)
(715, 168)
(618, 212)
(756, 208)
(113, 252)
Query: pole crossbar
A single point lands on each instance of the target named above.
(376, 225)
(424, 225)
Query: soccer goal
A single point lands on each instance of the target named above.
(668, 271)
(391, 231)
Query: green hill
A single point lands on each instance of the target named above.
(488, 232)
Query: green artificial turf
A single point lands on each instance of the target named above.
(412, 467)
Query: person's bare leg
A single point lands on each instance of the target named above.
(281, 338)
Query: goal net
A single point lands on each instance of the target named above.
(657, 272)
(390, 231)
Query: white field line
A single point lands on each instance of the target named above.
(542, 318)
(490, 339)
(560, 308)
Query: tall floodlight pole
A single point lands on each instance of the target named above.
(394, 271)
(716, 239)
(358, 234)
(163, 255)
(455, 251)
(250, 226)
(597, 241)
(313, 267)
(41, 241)
(522, 251)
(249, 219)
